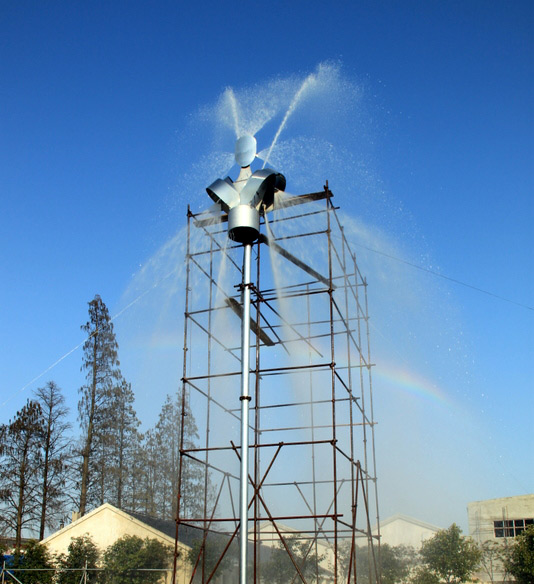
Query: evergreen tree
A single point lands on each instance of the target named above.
(156, 466)
(101, 364)
(124, 442)
(168, 435)
(20, 461)
(134, 491)
(130, 560)
(82, 554)
(149, 464)
(55, 451)
(35, 565)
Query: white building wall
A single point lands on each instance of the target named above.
(402, 530)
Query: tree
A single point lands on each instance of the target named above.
(101, 363)
(128, 559)
(34, 565)
(449, 556)
(493, 559)
(150, 477)
(55, 448)
(20, 461)
(393, 562)
(423, 575)
(123, 442)
(82, 554)
(203, 556)
(280, 568)
(163, 459)
(521, 560)
(134, 492)
(167, 436)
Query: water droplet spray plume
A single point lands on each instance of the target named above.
(337, 147)
(306, 85)
(230, 95)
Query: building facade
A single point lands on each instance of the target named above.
(106, 524)
(403, 530)
(499, 519)
(496, 522)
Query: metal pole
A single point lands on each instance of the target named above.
(245, 399)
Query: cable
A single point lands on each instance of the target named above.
(443, 276)
(134, 301)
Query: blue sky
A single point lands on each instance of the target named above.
(106, 109)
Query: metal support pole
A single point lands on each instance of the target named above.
(245, 399)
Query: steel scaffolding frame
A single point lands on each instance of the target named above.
(312, 483)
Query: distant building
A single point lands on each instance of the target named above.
(499, 520)
(403, 530)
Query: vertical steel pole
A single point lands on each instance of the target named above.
(245, 399)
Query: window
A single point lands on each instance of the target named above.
(511, 527)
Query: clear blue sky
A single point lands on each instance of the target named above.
(105, 107)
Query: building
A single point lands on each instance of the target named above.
(403, 530)
(499, 520)
(106, 524)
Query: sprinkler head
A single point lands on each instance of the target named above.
(243, 202)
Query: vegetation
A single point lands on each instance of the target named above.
(394, 562)
(281, 568)
(493, 561)
(82, 554)
(55, 455)
(520, 562)
(34, 565)
(95, 407)
(132, 560)
(203, 557)
(20, 460)
(43, 478)
(447, 557)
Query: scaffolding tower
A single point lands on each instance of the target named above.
(313, 490)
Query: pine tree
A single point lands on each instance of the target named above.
(134, 491)
(101, 364)
(55, 451)
(158, 465)
(168, 434)
(151, 478)
(168, 453)
(20, 461)
(124, 441)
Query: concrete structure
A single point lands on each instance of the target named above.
(106, 524)
(498, 521)
(403, 530)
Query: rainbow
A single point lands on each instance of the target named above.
(412, 383)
